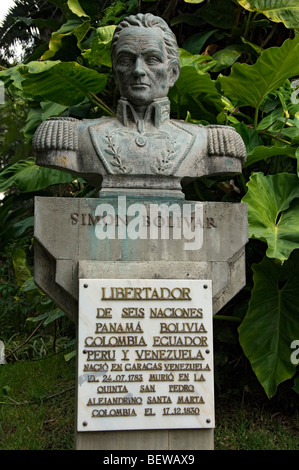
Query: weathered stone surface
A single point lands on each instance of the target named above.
(146, 156)
(67, 248)
(141, 148)
(106, 148)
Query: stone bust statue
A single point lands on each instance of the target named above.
(141, 148)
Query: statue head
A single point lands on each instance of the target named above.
(145, 58)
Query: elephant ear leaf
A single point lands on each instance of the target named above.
(29, 177)
(65, 83)
(99, 53)
(285, 11)
(248, 85)
(273, 212)
(271, 322)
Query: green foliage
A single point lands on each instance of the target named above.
(195, 92)
(239, 66)
(118, 9)
(28, 177)
(271, 322)
(16, 219)
(73, 27)
(276, 10)
(37, 414)
(249, 85)
(273, 212)
(65, 83)
(193, 1)
(31, 325)
(99, 52)
(76, 8)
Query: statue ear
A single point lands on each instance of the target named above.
(174, 73)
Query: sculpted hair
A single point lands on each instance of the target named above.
(150, 21)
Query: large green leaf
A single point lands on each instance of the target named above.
(218, 13)
(248, 85)
(250, 137)
(227, 56)
(193, 83)
(21, 269)
(271, 322)
(261, 152)
(29, 177)
(14, 219)
(36, 116)
(66, 83)
(76, 8)
(202, 63)
(72, 27)
(49, 317)
(11, 76)
(99, 53)
(285, 11)
(195, 42)
(273, 212)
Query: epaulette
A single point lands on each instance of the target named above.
(225, 141)
(59, 133)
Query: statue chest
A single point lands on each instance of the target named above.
(124, 150)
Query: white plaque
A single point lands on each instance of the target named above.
(145, 354)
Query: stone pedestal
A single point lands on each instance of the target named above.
(144, 155)
(66, 234)
(68, 248)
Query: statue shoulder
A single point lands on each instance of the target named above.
(59, 133)
(221, 140)
(225, 141)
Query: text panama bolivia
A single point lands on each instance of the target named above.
(148, 293)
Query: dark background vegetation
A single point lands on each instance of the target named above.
(237, 69)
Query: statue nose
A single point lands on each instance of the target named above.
(139, 68)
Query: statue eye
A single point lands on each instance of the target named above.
(152, 60)
(124, 59)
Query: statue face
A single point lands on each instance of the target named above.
(141, 65)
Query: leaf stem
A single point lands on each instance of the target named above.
(247, 24)
(98, 102)
(275, 137)
(197, 190)
(26, 340)
(256, 117)
(243, 182)
(277, 163)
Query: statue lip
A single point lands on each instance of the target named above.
(139, 85)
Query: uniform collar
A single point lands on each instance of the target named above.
(157, 112)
